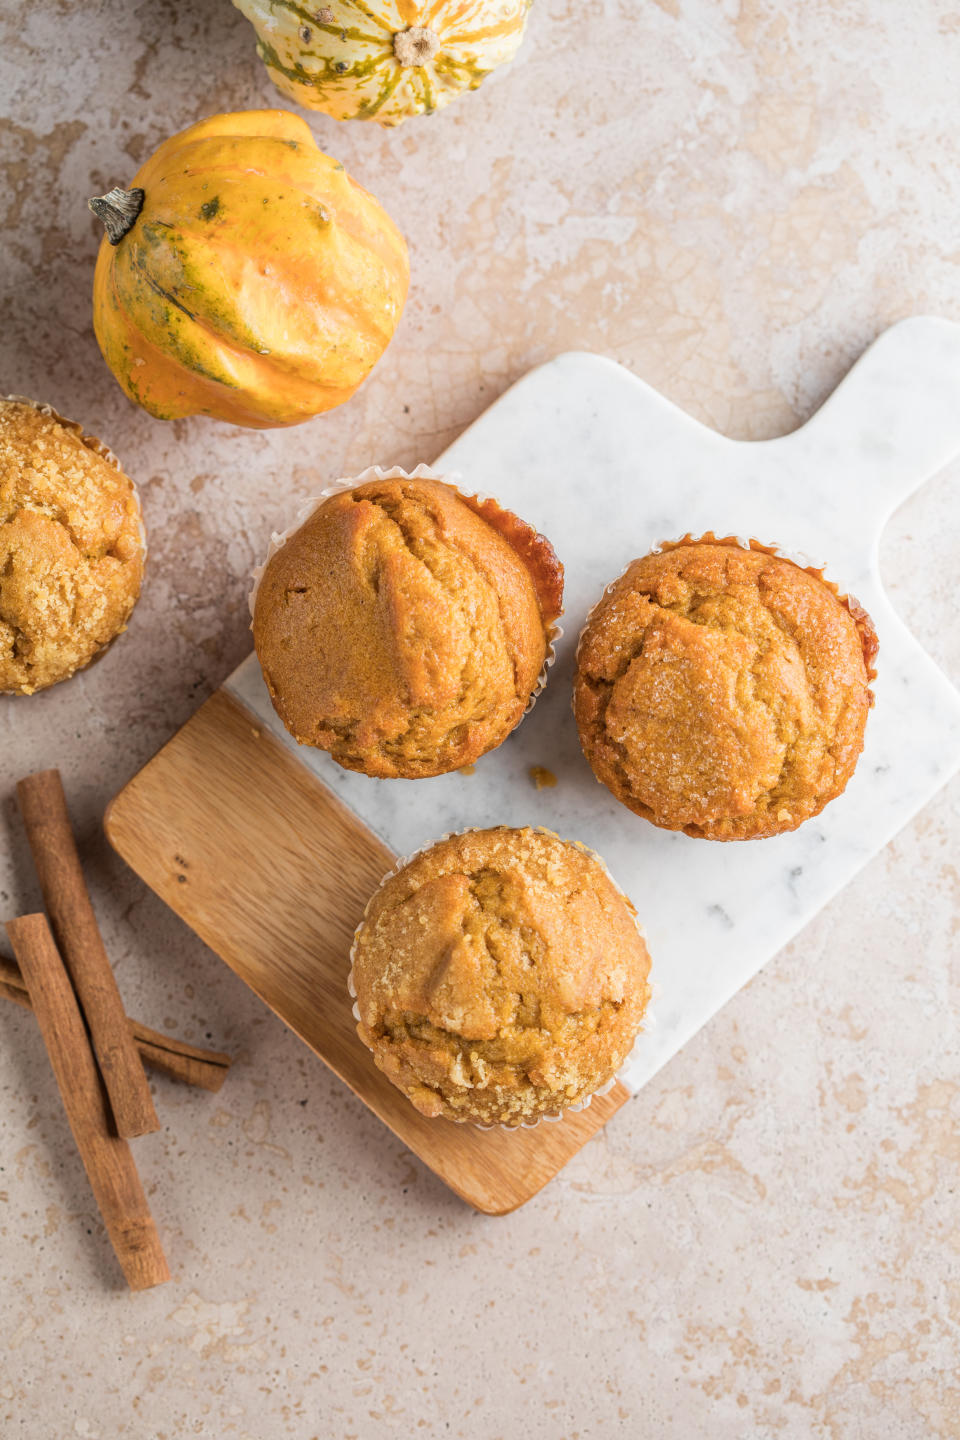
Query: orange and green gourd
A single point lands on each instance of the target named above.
(245, 276)
(383, 60)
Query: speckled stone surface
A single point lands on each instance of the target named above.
(732, 200)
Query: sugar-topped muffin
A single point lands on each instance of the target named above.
(724, 691)
(403, 627)
(71, 547)
(500, 976)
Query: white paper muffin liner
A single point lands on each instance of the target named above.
(376, 472)
(649, 1021)
(774, 548)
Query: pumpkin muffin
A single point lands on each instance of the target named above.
(404, 628)
(723, 691)
(71, 547)
(500, 976)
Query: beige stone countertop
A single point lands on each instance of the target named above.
(732, 198)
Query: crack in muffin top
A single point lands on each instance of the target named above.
(723, 691)
(499, 975)
(71, 548)
(401, 630)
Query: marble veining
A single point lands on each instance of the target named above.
(731, 198)
(606, 467)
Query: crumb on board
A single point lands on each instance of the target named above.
(543, 779)
(466, 769)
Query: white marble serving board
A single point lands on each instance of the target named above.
(606, 467)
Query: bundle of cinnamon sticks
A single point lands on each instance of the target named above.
(97, 1053)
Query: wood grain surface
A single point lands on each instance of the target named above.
(273, 873)
(176, 1058)
(43, 808)
(107, 1157)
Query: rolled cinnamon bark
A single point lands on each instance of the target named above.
(44, 810)
(176, 1058)
(107, 1158)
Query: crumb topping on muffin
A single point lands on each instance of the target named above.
(71, 548)
(500, 976)
(404, 631)
(724, 691)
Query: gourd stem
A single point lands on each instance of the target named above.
(416, 46)
(118, 209)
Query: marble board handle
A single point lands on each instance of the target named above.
(892, 422)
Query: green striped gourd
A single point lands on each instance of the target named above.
(383, 60)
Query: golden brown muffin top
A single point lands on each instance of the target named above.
(71, 547)
(500, 975)
(723, 691)
(403, 629)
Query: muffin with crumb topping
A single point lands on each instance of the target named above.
(71, 547)
(723, 690)
(500, 976)
(404, 627)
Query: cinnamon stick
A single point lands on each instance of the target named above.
(176, 1058)
(107, 1158)
(44, 810)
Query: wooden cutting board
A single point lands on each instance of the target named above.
(273, 873)
(270, 851)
